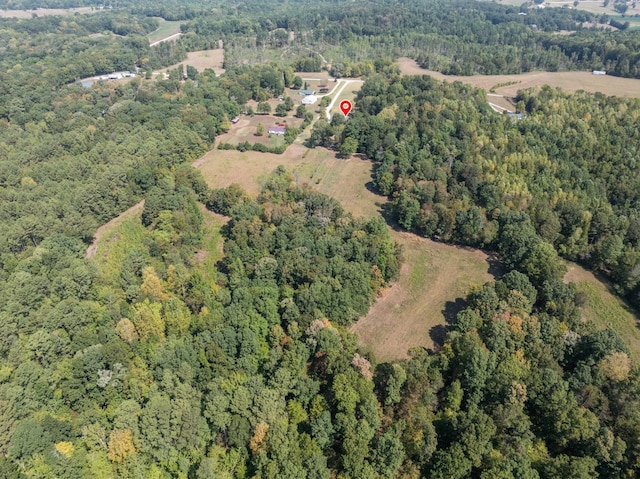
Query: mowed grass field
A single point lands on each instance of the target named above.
(568, 81)
(604, 308)
(165, 29)
(413, 312)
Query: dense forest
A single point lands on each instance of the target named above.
(153, 364)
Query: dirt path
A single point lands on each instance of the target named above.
(175, 36)
(93, 247)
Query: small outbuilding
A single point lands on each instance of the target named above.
(307, 92)
(599, 72)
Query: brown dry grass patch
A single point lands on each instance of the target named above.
(45, 12)
(568, 81)
(201, 60)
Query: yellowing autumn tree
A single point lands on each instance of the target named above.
(120, 445)
(64, 448)
(177, 316)
(126, 330)
(152, 286)
(148, 320)
(616, 366)
(255, 444)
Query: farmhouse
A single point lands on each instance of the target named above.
(309, 100)
(599, 72)
(307, 92)
(277, 130)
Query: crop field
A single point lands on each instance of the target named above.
(568, 81)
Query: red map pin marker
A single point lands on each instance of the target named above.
(345, 106)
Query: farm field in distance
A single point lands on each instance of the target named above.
(44, 12)
(568, 81)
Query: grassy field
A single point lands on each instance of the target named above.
(348, 93)
(116, 238)
(44, 12)
(569, 81)
(165, 29)
(414, 310)
(202, 60)
(319, 168)
(606, 309)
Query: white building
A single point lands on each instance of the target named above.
(309, 100)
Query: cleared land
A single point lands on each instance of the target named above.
(44, 12)
(604, 308)
(165, 29)
(414, 310)
(246, 128)
(319, 168)
(569, 81)
(201, 60)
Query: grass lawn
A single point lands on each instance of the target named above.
(606, 309)
(165, 29)
(246, 128)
